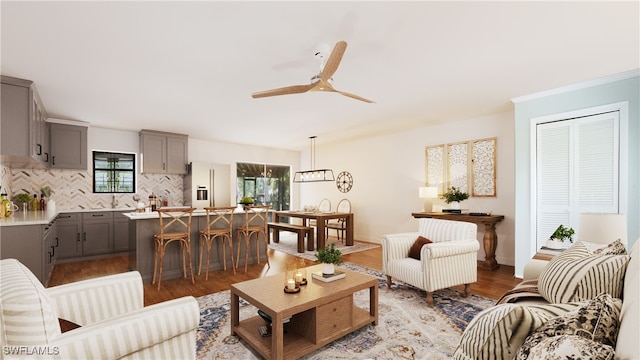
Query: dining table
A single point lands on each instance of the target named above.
(321, 218)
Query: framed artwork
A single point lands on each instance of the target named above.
(435, 167)
(483, 173)
(458, 165)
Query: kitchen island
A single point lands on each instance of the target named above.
(142, 227)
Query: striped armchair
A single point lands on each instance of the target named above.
(114, 323)
(451, 258)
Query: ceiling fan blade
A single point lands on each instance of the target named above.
(334, 60)
(295, 89)
(354, 96)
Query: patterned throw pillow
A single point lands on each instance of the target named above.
(596, 320)
(414, 252)
(614, 248)
(571, 347)
(498, 332)
(576, 275)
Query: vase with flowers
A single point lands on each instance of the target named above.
(453, 196)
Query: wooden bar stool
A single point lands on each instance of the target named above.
(219, 226)
(255, 222)
(175, 225)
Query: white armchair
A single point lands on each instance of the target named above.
(114, 323)
(450, 260)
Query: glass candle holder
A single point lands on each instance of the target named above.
(290, 278)
(300, 276)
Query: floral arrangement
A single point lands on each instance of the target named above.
(454, 195)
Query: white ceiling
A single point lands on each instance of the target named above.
(190, 67)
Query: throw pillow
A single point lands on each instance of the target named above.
(576, 275)
(66, 325)
(414, 252)
(614, 248)
(571, 347)
(596, 320)
(498, 332)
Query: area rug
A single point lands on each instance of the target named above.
(407, 327)
(289, 244)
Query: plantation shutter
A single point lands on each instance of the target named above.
(576, 171)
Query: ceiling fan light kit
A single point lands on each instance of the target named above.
(313, 175)
(320, 82)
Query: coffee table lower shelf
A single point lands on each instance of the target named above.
(295, 342)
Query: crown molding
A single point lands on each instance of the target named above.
(582, 85)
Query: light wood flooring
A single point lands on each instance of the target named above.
(491, 284)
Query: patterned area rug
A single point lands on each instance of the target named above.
(407, 327)
(289, 244)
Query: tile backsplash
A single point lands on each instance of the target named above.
(73, 189)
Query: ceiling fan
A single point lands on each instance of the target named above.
(319, 82)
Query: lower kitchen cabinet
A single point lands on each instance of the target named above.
(69, 228)
(97, 233)
(91, 234)
(35, 246)
(120, 232)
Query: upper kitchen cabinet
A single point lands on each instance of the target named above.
(163, 153)
(68, 146)
(24, 134)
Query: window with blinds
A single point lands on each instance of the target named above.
(577, 170)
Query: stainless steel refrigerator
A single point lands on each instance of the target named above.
(207, 185)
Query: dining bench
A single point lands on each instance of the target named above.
(302, 231)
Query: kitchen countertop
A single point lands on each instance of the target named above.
(45, 217)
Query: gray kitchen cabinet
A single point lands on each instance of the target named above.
(120, 232)
(22, 128)
(51, 243)
(85, 234)
(68, 146)
(97, 233)
(69, 231)
(35, 246)
(163, 153)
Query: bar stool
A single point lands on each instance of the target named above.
(172, 220)
(219, 225)
(255, 222)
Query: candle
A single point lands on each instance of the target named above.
(298, 277)
(291, 285)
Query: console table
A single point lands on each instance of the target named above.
(490, 239)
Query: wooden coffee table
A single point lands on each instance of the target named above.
(320, 313)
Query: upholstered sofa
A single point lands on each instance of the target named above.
(583, 305)
(107, 314)
(448, 258)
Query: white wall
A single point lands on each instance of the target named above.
(388, 170)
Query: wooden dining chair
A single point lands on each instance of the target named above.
(175, 225)
(323, 206)
(255, 223)
(219, 226)
(339, 225)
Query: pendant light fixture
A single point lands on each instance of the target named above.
(313, 175)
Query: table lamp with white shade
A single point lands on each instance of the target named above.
(602, 229)
(428, 193)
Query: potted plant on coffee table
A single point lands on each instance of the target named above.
(453, 196)
(561, 234)
(329, 256)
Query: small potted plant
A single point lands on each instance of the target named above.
(329, 256)
(24, 199)
(453, 196)
(561, 234)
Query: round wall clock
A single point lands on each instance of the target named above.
(344, 182)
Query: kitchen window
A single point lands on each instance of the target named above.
(113, 172)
